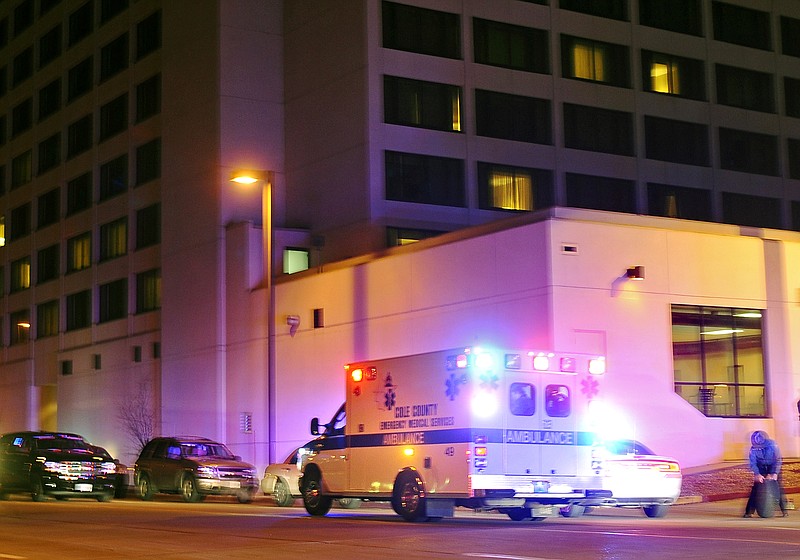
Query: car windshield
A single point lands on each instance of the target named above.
(627, 447)
(61, 442)
(217, 450)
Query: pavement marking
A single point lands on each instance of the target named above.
(503, 556)
(12, 556)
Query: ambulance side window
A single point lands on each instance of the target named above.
(557, 401)
(522, 399)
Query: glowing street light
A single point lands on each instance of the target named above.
(250, 177)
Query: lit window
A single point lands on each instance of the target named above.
(511, 191)
(588, 61)
(114, 239)
(21, 274)
(79, 252)
(295, 260)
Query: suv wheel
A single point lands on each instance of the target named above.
(37, 489)
(189, 489)
(145, 488)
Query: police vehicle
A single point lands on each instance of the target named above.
(477, 428)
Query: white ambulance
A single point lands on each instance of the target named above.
(478, 428)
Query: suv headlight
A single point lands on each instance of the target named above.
(55, 467)
(207, 472)
(108, 468)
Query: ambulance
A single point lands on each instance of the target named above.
(486, 429)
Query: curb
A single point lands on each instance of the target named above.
(724, 496)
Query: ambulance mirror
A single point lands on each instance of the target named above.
(315, 426)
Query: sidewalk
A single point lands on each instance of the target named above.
(730, 480)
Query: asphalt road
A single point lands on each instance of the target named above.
(222, 529)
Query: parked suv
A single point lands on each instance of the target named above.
(193, 467)
(55, 464)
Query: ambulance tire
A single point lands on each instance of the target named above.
(314, 501)
(573, 510)
(655, 510)
(767, 496)
(408, 496)
(518, 513)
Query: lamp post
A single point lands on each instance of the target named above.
(265, 177)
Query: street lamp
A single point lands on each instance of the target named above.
(249, 177)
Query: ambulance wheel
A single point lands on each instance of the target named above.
(573, 510)
(314, 501)
(408, 496)
(517, 514)
(656, 510)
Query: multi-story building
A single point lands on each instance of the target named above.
(127, 284)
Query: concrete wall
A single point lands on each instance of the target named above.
(519, 288)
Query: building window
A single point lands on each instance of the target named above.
(747, 89)
(47, 5)
(673, 75)
(680, 16)
(48, 263)
(21, 169)
(718, 360)
(295, 260)
(793, 152)
(20, 222)
(81, 23)
(23, 16)
(148, 226)
(148, 35)
(595, 61)
(672, 201)
(114, 57)
(20, 275)
(749, 152)
(397, 237)
(676, 141)
(20, 326)
(420, 30)
(148, 98)
(80, 79)
(502, 187)
(79, 252)
(48, 208)
(49, 99)
(47, 319)
(148, 290)
(513, 117)
(614, 9)
(114, 117)
(2, 130)
(22, 117)
(148, 162)
(423, 104)
(3, 80)
(2, 182)
(111, 8)
(49, 46)
(750, 210)
(114, 177)
(79, 310)
(79, 193)
(790, 36)
(114, 239)
(598, 130)
(741, 26)
(113, 300)
(601, 193)
(22, 66)
(791, 95)
(511, 46)
(424, 179)
(79, 136)
(49, 153)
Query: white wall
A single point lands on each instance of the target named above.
(516, 288)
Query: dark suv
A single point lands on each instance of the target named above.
(55, 464)
(193, 467)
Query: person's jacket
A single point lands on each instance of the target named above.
(766, 459)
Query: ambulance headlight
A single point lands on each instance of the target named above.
(484, 404)
(608, 422)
